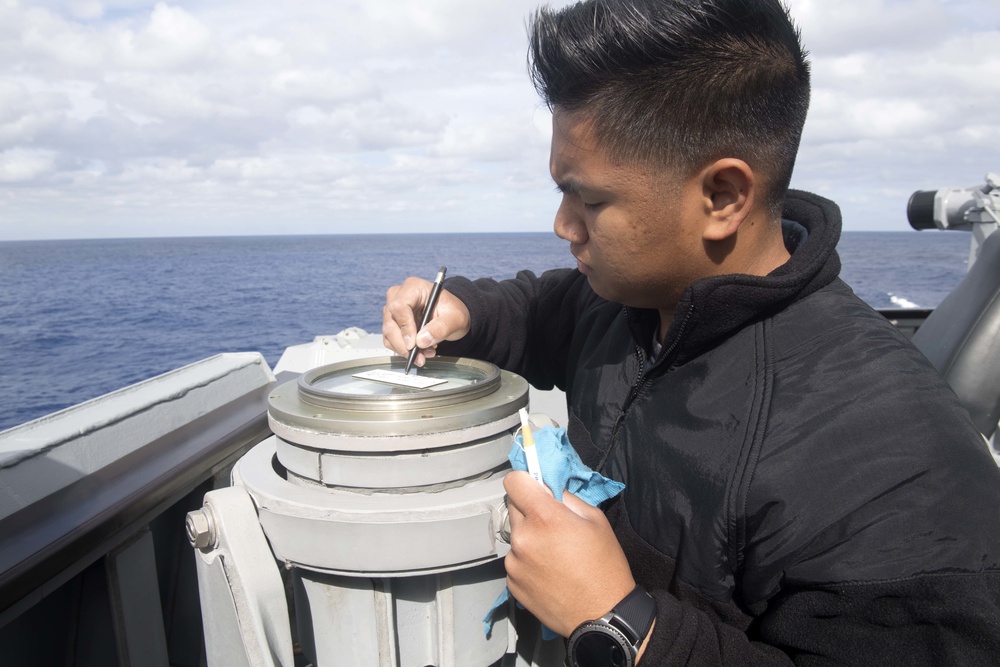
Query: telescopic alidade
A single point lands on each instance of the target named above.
(974, 209)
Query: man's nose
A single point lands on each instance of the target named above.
(568, 224)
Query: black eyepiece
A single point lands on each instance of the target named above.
(920, 209)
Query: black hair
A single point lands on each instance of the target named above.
(679, 83)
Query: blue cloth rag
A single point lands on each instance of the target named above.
(562, 470)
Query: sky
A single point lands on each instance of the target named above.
(131, 118)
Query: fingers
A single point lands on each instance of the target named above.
(581, 508)
(555, 549)
(399, 326)
(525, 497)
(450, 321)
(524, 493)
(405, 304)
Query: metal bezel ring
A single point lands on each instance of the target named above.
(600, 627)
(394, 402)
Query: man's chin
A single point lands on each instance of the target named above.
(602, 290)
(609, 294)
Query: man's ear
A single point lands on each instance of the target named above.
(727, 196)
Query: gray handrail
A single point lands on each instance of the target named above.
(53, 539)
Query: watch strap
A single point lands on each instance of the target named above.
(637, 610)
(616, 637)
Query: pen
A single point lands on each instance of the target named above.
(530, 454)
(435, 291)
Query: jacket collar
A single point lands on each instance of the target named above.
(713, 309)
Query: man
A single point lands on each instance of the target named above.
(800, 484)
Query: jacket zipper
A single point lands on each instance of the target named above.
(637, 386)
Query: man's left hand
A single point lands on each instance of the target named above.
(565, 564)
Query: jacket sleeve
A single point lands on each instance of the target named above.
(524, 325)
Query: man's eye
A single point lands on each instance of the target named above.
(592, 207)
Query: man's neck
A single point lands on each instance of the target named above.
(769, 255)
(666, 317)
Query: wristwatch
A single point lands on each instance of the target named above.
(614, 639)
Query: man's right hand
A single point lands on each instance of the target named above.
(404, 305)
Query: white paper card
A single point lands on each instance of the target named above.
(398, 378)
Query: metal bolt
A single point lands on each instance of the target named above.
(200, 528)
(504, 533)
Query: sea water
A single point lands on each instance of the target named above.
(82, 318)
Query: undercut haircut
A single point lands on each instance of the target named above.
(679, 83)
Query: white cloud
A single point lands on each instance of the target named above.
(848, 26)
(904, 98)
(86, 9)
(509, 140)
(171, 39)
(24, 113)
(18, 165)
(322, 86)
(131, 117)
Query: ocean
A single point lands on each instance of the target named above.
(82, 318)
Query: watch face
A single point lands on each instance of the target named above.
(596, 649)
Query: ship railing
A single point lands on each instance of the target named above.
(95, 567)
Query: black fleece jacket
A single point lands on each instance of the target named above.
(801, 485)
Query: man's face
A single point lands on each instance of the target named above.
(633, 229)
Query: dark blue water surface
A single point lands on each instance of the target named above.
(81, 318)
